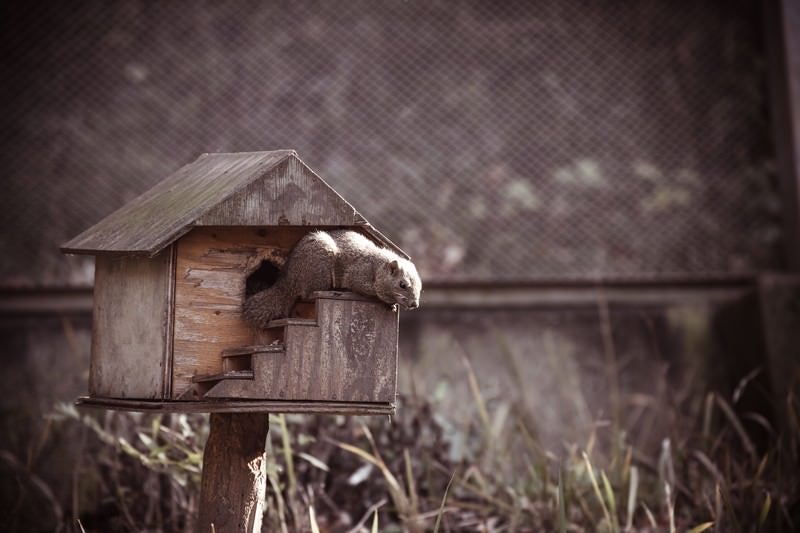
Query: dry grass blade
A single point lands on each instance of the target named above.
(670, 508)
(765, 507)
(310, 459)
(400, 499)
(699, 528)
(373, 509)
(562, 504)
(709, 465)
(312, 518)
(412, 489)
(272, 477)
(666, 468)
(596, 487)
(708, 414)
(440, 513)
(286, 444)
(650, 517)
(476, 393)
(633, 490)
(737, 426)
(761, 468)
(742, 385)
(612, 502)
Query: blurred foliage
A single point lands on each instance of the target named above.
(420, 471)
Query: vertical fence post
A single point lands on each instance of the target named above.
(234, 473)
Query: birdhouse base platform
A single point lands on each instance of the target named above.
(239, 406)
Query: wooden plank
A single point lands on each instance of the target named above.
(234, 473)
(302, 362)
(282, 322)
(212, 268)
(248, 350)
(359, 350)
(236, 406)
(232, 375)
(131, 325)
(166, 389)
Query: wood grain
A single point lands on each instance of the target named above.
(234, 473)
(211, 269)
(359, 340)
(351, 356)
(235, 406)
(292, 194)
(131, 326)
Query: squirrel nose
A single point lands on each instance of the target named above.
(413, 305)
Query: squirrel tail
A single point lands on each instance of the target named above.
(270, 304)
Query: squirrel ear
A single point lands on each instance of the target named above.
(393, 266)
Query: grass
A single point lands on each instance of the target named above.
(327, 473)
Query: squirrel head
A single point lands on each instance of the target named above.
(399, 283)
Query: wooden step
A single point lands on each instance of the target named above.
(235, 374)
(256, 348)
(283, 322)
(241, 358)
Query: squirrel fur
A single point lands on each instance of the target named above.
(341, 259)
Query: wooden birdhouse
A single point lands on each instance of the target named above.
(172, 270)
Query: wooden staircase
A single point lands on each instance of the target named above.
(346, 351)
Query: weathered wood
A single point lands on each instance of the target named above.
(211, 272)
(233, 374)
(131, 325)
(237, 406)
(249, 350)
(359, 347)
(234, 473)
(282, 322)
(350, 356)
(169, 327)
(292, 194)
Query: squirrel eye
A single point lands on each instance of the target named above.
(403, 285)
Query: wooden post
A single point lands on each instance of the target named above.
(782, 18)
(234, 473)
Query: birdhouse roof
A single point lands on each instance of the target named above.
(237, 189)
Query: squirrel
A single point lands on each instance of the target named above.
(341, 259)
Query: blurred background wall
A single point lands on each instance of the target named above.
(591, 190)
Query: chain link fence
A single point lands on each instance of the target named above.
(493, 141)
